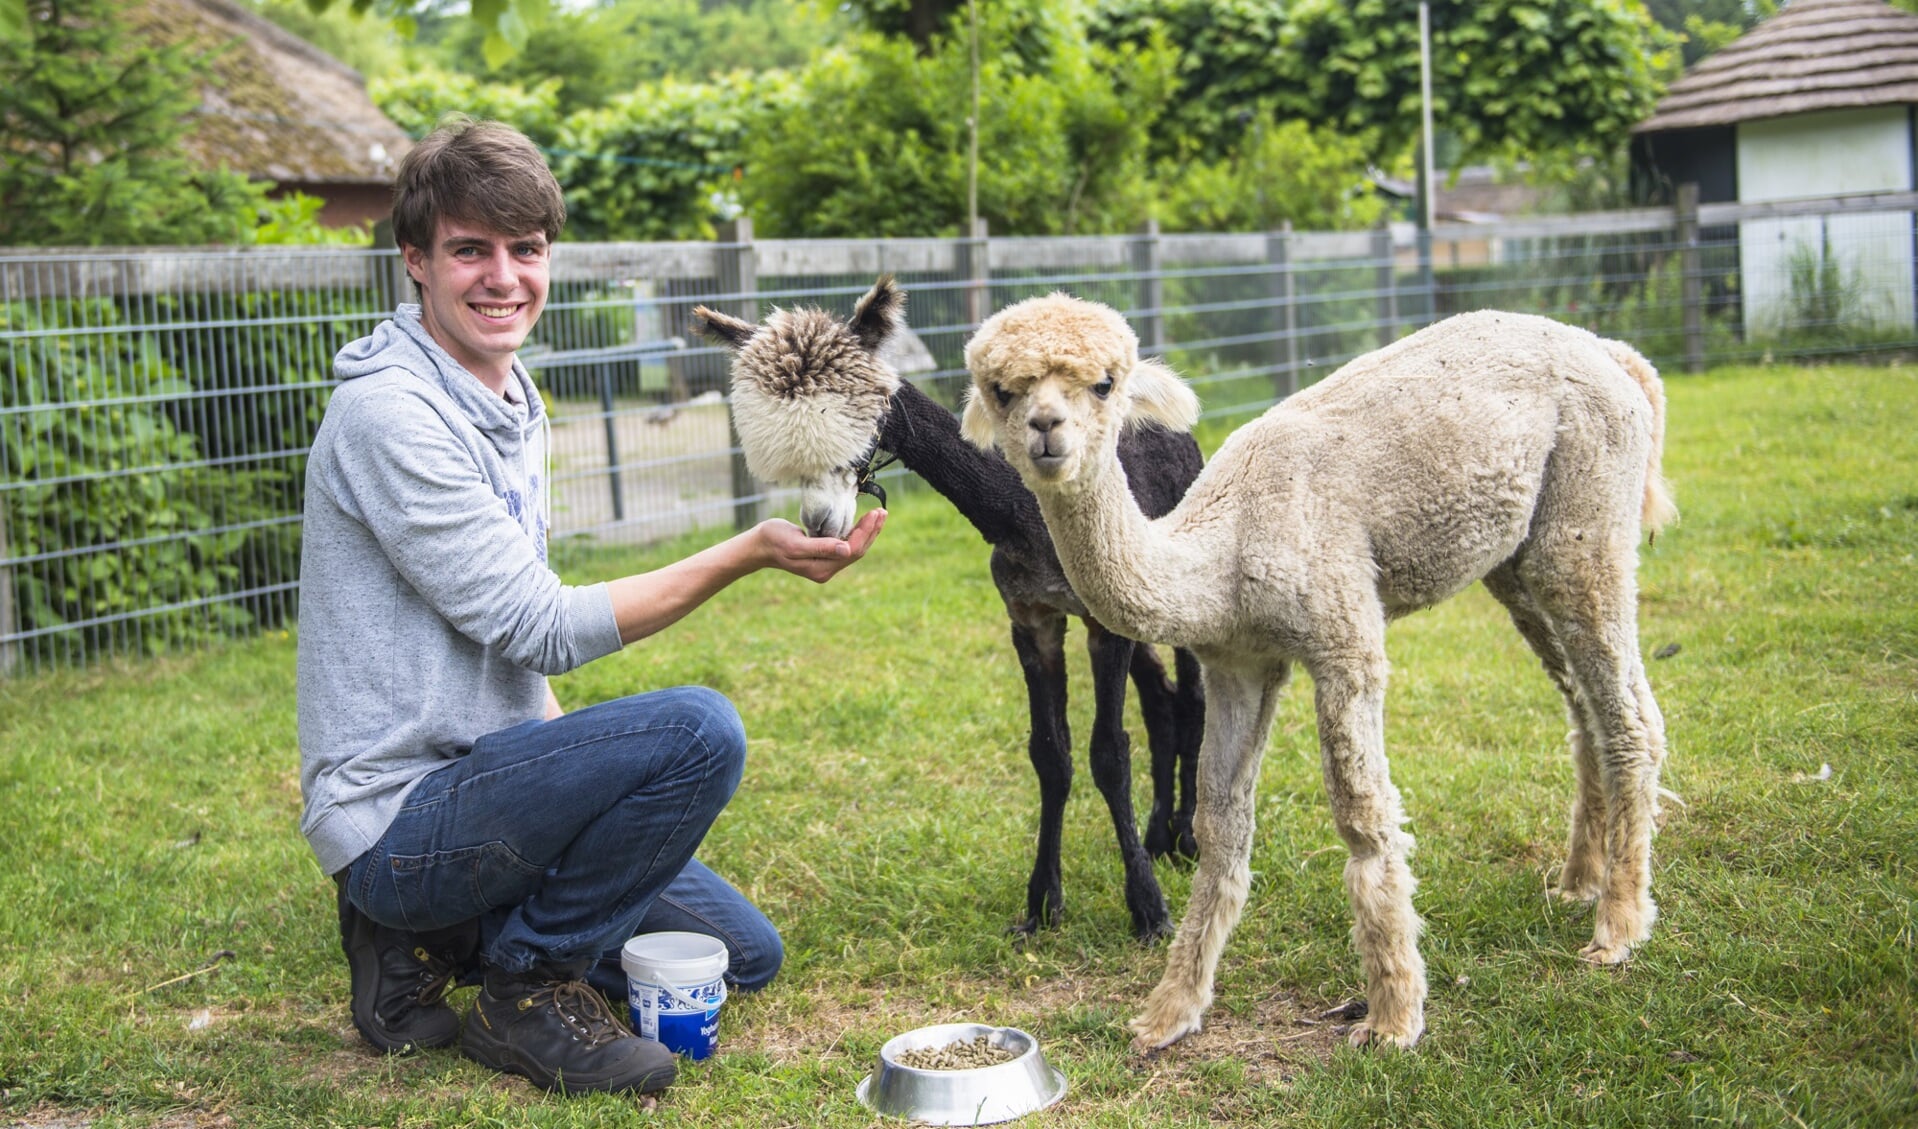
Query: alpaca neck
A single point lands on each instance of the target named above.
(980, 484)
(1137, 576)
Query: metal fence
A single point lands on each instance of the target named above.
(156, 404)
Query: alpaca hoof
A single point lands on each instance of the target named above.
(1152, 932)
(1365, 1036)
(1148, 1036)
(1601, 955)
(1577, 896)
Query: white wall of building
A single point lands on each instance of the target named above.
(1826, 154)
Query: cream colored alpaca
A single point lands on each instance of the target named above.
(1490, 446)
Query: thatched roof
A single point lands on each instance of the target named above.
(278, 107)
(1814, 55)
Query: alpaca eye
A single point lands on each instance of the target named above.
(1103, 388)
(999, 393)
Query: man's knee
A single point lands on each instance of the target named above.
(711, 717)
(761, 960)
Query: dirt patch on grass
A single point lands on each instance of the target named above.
(1272, 1041)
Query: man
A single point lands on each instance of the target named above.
(462, 814)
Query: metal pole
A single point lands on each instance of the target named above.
(1426, 210)
(972, 127)
(1428, 184)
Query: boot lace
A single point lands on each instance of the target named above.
(581, 1008)
(435, 977)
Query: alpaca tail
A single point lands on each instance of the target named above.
(1659, 509)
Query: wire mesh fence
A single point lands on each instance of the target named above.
(156, 405)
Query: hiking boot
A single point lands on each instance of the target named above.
(400, 979)
(554, 1028)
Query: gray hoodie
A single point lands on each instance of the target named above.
(428, 615)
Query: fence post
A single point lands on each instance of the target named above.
(1387, 284)
(738, 286)
(975, 266)
(1146, 264)
(7, 624)
(1285, 297)
(1690, 276)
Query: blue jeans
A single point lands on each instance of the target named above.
(564, 838)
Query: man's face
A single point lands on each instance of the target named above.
(480, 293)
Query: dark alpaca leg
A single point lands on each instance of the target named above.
(1041, 647)
(1112, 772)
(1159, 711)
(1189, 709)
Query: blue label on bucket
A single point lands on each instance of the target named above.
(689, 1031)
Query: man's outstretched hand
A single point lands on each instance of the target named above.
(818, 559)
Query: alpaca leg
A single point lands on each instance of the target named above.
(1584, 868)
(1242, 702)
(1112, 773)
(1190, 705)
(1593, 601)
(1158, 710)
(1350, 699)
(1041, 648)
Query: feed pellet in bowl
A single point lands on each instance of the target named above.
(966, 1054)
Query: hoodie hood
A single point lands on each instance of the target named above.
(400, 349)
(402, 343)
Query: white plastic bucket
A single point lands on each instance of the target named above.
(675, 984)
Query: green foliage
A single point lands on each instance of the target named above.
(363, 40)
(656, 164)
(103, 464)
(294, 219)
(600, 51)
(418, 97)
(91, 120)
(1225, 67)
(1288, 171)
(1549, 81)
(873, 141)
(1706, 25)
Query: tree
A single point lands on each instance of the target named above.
(872, 139)
(1707, 25)
(1225, 50)
(1282, 171)
(91, 121)
(1544, 81)
(1549, 81)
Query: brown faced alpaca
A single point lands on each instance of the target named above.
(812, 402)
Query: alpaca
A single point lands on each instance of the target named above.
(814, 404)
(1490, 446)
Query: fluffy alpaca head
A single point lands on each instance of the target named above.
(1055, 380)
(808, 392)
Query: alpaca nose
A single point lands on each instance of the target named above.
(1042, 420)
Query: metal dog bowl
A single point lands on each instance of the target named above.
(981, 1095)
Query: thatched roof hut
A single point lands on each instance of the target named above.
(281, 109)
(1815, 102)
(1819, 74)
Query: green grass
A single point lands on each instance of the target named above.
(148, 820)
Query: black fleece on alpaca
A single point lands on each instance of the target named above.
(1159, 464)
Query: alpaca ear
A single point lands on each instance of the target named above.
(728, 330)
(1156, 393)
(875, 316)
(975, 422)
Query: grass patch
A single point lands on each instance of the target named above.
(168, 954)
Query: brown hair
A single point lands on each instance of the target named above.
(478, 172)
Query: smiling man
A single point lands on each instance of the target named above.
(471, 826)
